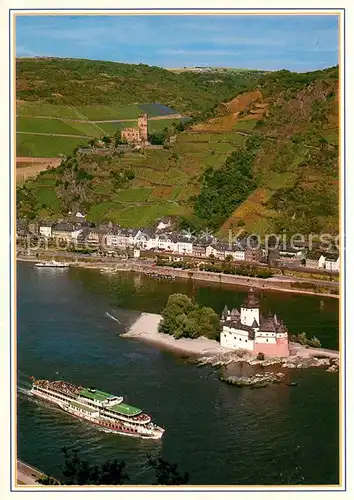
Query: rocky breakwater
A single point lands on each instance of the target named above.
(242, 368)
(297, 360)
(256, 381)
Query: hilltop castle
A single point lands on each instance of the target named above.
(249, 330)
(137, 135)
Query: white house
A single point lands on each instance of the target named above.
(216, 250)
(163, 223)
(122, 238)
(66, 231)
(291, 252)
(332, 264)
(165, 241)
(45, 229)
(329, 262)
(236, 252)
(185, 245)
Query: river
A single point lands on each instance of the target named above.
(219, 434)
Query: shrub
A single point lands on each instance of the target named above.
(260, 356)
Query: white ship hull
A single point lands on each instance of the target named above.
(53, 263)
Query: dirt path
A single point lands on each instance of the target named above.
(58, 135)
(29, 167)
(32, 159)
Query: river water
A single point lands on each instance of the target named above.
(220, 434)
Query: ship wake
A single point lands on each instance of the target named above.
(112, 317)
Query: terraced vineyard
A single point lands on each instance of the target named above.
(265, 161)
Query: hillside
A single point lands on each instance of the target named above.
(63, 103)
(266, 160)
(82, 82)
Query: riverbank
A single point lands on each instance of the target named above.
(205, 351)
(146, 329)
(146, 267)
(27, 475)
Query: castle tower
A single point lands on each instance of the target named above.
(143, 127)
(250, 309)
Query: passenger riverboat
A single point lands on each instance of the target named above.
(100, 408)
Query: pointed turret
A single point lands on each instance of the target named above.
(251, 300)
(282, 327)
(235, 313)
(255, 324)
(225, 313)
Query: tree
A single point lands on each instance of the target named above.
(314, 342)
(209, 323)
(177, 306)
(168, 473)
(106, 139)
(182, 318)
(302, 338)
(81, 472)
(48, 480)
(117, 138)
(78, 471)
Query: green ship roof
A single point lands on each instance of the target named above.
(124, 409)
(97, 395)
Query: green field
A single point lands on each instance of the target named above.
(46, 109)
(246, 125)
(55, 126)
(158, 125)
(122, 112)
(137, 216)
(133, 195)
(46, 146)
(78, 113)
(111, 128)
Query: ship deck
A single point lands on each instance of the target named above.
(83, 407)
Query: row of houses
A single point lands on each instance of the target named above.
(163, 237)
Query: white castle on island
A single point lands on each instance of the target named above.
(251, 331)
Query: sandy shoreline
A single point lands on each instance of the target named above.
(124, 266)
(209, 351)
(146, 329)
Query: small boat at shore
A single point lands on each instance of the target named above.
(100, 408)
(53, 263)
(108, 270)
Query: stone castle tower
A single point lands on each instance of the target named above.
(137, 135)
(143, 127)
